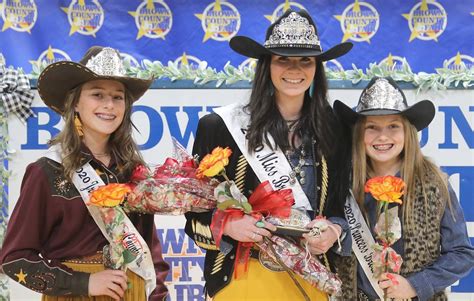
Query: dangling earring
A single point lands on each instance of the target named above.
(311, 90)
(272, 89)
(78, 124)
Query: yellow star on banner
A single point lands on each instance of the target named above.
(7, 24)
(348, 33)
(415, 33)
(184, 59)
(142, 30)
(50, 54)
(150, 5)
(356, 7)
(74, 27)
(210, 30)
(458, 60)
(21, 277)
(390, 60)
(286, 7)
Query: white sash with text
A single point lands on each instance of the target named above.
(362, 240)
(267, 164)
(86, 179)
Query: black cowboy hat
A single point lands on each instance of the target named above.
(98, 63)
(383, 96)
(293, 34)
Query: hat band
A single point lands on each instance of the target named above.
(315, 47)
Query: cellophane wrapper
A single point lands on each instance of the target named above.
(309, 268)
(170, 196)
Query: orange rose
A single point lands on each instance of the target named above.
(109, 195)
(212, 164)
(386, 189)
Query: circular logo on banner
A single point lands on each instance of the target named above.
(19, 15)
(153, 19)
(188, 60)
(359, 22)
(427, 20)
(283, 8)
(333, 66)
(393, 62)
(49, 56)
(455, 63)
(129, 59)
(52, 55)
(85, 19)
(220, 21)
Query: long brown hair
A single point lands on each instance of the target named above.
(317, 119)
(415, 169)
(121, 144)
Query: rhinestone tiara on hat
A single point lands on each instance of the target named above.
(106, 63)
(293, 31)
(381, 95)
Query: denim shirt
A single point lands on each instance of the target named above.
(455, 261)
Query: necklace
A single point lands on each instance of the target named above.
(291, 124)
(297, 172)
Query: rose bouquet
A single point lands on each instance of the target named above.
(386, 190)
(180, 185)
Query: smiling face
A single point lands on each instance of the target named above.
(101, 107)
(292, 76)
(384, 140)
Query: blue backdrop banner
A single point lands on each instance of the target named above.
(428, 33)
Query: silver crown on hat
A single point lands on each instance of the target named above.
(106, 63)
(381, 96)
(293, 31)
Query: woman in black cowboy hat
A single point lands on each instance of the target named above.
(434, 243)
(287, 134)
(54, 242)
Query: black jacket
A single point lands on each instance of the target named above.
(218, 268)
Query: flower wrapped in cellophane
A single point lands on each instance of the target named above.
(180, 185)
(292, 253)
(386, 190)
(172, 188)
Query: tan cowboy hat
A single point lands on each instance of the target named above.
(293, 34)
(59, 78)
(383, 96)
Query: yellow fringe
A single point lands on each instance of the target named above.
(135, 292)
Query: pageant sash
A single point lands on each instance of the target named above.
(362, 240)
(268, 164)
(86, 179)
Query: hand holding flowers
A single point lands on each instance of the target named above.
(386, 190)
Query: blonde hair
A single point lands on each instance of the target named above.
(121, 144)
(416, 169)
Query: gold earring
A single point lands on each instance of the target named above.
(78, 125)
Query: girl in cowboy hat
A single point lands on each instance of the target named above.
(54, 242)
(286, 133)
(434, 244)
